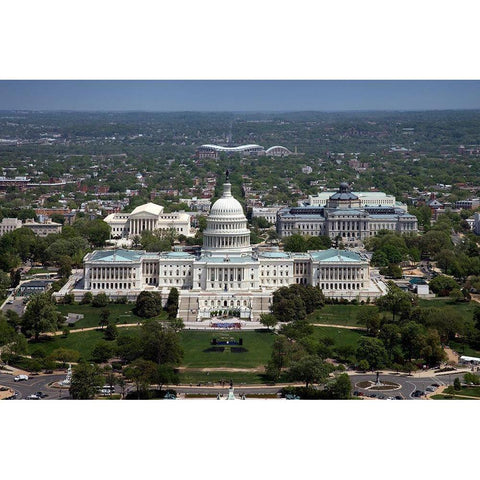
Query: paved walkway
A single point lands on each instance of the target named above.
(333, 325)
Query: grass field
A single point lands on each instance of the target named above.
(82, 342)
(440, 396)
(338, 314)
(470, 391)
(119, 313)
(195, 343)
(341, 336)
(463, 349)
(464, 308)
(196, 377)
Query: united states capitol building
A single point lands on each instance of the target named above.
(228, 274)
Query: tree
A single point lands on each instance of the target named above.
(164, 375)
(148, 304)
(373, 351)
(432, 352)
(87, 298)
(412, 339)
(176, 324)
(104, 315)
(364, 365)
(16, 277)
(309, 369)
(396, 301)
(296, 301)
(122, 384)
(297, 330)
(160, 345)
(7, 332)
(65, 266)
(321, 242)
(471, 378)
(100, 300)
(65, 355)
(102, 352)
(340, 388)
(69, 299)
(369, 317)
(111, 332)
(268, 320)
(442, 285)
(457, 385)
(41, 316)
(295, 243)
(171, 306)
(86, 380)
(143, 373)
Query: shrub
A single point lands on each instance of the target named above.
(100, 300)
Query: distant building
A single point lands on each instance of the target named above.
(268, 213)
(33, 286)
(148, 217)
(9, 225)
(476, 223)
(470, 204)
(347, 216)
(251, 150)
(214, 151)
(366, 199)
(43, 229)
(278, 151)
(19, 182)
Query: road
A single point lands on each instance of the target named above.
(35, 383)
(408, 384)
(16, 305)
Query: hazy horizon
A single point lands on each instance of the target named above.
(239, 96)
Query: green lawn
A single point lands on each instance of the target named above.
(119, 313)
(470, 391)
(341, 336)
(196, 343)
(338, 314)
(463, 349)
(82, 342)
(238, 378)
(448, 397)
(464, 308)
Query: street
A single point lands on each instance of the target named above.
(35, 383)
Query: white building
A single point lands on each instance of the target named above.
(346, 215)
(227, 274)
(9, 225)
(268, 213)
(42, 229)
(366, 199)
(148, 217)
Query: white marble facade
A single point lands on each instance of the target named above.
(227, 274)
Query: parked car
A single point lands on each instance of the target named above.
(41, 394)
(430, 389)
(33, 397)
(19, 378)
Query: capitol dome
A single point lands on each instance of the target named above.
(226, 233)
(227, 204)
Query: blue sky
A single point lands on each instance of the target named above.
(241, 95)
